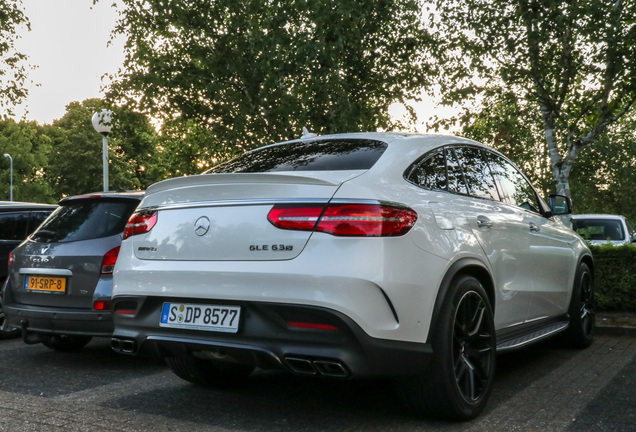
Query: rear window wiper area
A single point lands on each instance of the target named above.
(45, 236)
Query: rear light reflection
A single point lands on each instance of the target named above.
(308, 325)
(350, 220)
(140, 223)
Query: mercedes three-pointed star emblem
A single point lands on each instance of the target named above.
(201, 226)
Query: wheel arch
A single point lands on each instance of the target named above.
(587, 259)
(465, 266)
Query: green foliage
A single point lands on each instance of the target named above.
(573, 62)
(75, 163)
(615, 277)
(254, 72)
(603, 179)
(29, 146)
(12, 63)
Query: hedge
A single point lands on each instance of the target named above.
(615, 277)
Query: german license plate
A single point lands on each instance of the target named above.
(50, 284)
(201, 317)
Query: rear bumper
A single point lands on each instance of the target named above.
(265, 339)
(38, 319)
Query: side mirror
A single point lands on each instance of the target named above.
(560, 205)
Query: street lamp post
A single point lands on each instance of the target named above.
(103, 123)
(7, 155)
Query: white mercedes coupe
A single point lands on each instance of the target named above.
(415, 257)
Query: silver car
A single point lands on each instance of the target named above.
(599, 229)
(60, 279)
(416, 257)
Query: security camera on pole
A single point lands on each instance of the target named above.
(103, 123)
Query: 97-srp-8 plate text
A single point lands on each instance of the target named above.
(200, 317)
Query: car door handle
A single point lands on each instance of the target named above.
(483, 222)
(534, 227)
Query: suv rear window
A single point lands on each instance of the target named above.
(85, 220)
(318, 155)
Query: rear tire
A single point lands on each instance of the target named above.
(65, 343)
(582, 311)
(208, 372)
(458, 384)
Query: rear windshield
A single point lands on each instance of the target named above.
(85, 220)
(319, 155)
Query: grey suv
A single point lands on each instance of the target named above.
(60, 279)
(17, 221)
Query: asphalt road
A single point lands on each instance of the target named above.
(543, 388)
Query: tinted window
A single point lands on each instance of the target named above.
(37, 217)
(477, 173)
(514, 188)
(430, 173)
(455, 176)
(320, 155)
(13, 226)
(85, 219)
(599, 229)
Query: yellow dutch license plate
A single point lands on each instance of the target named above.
(50, 284)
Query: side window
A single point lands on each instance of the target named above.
(430, 173)
(515, 189)
(456, 180)
(13, 226)
(37, 217)
(477, 173)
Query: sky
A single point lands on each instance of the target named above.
(68, 45)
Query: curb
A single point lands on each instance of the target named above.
(616, 324)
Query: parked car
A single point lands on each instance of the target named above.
(600, 229)
(17, 221)
(60, 279)
(416, 257)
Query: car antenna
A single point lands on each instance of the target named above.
(307, 134)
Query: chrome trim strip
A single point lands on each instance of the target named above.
(45, 271)
(237, 203)
(532, 337)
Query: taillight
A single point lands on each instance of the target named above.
(11, 262)
(108, 263)
(140, 223)
(101, 305)
(356, 220)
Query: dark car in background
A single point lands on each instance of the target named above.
(17, 221)
(60, 279)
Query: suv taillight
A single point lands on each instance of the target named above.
(140, 223)
(11, 262)
(108, 263)
(354, 220)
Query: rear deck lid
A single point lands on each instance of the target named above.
(223, 215)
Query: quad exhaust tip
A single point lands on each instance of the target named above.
(328, 368)
(122, 345)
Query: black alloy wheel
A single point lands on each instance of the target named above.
(582, 310)
(458, 382)
(473, 350)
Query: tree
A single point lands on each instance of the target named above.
(29, 145)
(75, 163)
(604, 178)
(254, 72)
(573, 60)
(12, 67)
